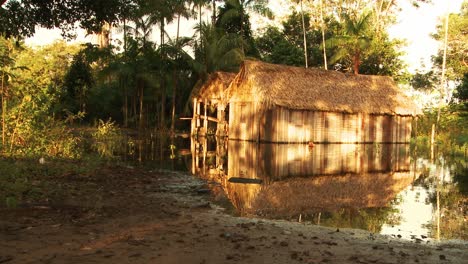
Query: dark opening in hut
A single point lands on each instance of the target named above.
(211, 96)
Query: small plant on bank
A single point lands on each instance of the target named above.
(108, 139)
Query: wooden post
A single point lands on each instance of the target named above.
(194, 119)
(198, 114)
(193, 150)
(205, 152)
(220, 127)
(197, 156)
(205, 121)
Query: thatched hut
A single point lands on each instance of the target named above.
(211, 93)
(284, 104)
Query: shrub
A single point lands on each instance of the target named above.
(107, 138)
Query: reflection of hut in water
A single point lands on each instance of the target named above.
(280, 161)
(297, 179)
(211, 94)
(320, 193)
(275, 103)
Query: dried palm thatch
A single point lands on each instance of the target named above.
(319, 90)
(214, 87)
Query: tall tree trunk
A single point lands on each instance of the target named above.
(174, 93)
(442, 79)
(82, 100)
(104, 36)
(213, 17)
(134, 105)
(125, 103)
(141, 116)
(124, 77)
(200, 24)
(19, 116)
(323, 36)
(242, 27)
(162, 80)
(174, 76)
(3, 111)
(305, 39)
(163, 103)
(356, 62)
(444, 58)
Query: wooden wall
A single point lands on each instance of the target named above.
(252, 122)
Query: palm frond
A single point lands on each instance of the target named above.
(262, 9)
(230, 15)
(339, 54)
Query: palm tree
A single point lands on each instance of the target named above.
(234, 16)
(199, 4)
(181, 10)
(177, 60)
(221, 51)
(134, 51)
(164, 12)
(142, 30)
(353, 42)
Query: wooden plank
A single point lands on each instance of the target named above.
(193, 124)
(209, 118)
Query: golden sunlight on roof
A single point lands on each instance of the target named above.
(317, 89)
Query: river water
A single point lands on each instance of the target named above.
(382, 188)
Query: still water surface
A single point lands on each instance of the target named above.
(383, 188)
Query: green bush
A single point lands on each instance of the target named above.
(108, 139)
(452, 130)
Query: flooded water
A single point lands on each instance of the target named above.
(150, 150)
(382, 188)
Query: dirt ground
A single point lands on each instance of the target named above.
(125, 215)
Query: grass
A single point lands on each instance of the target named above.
(29, 181)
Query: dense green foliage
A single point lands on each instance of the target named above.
(286, 45)
(462, 89)
(354, 44)
(457, 55)
(30, 99)
(19, 18)
(452, 130)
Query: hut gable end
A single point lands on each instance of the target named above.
(215, 86)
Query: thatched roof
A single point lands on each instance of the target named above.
(317, 89)
(215, 85)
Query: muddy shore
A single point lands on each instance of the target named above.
(127, 215)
